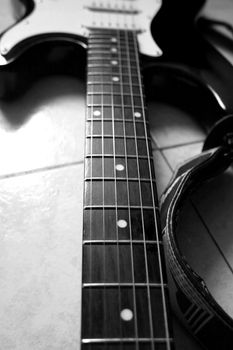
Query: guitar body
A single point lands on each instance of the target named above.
(53, 37)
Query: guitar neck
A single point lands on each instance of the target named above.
(124, 297)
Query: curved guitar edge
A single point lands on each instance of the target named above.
(197, 309)
(181, 86)
(168, 27)
(41, 56)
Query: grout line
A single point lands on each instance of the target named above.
(177, 145)
(167, 162)
(39, 170)
(211, 236)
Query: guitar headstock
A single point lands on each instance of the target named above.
(72, 19)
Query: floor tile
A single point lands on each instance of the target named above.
(177, 155)
(214, 200)
(199, 247)
(40, 260)
(171, 126)
(44, 128)
(162, 172)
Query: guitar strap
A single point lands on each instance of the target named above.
(203, 316)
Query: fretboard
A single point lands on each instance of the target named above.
(124, 290)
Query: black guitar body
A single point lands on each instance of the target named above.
(190, 69)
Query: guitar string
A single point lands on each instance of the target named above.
(165, 312)
(135, 314)
(103, 208)
(116, 204)
(103, 223)
(128, 61)
(91, 213)
(135, 311)
(126, 171)
(91, 204)
(135, 49)
(90, 210)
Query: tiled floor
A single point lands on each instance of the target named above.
(41, 172)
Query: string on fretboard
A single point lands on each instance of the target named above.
(124, 299)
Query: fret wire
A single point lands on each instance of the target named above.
(128, 199)
(97, 105)
(109, 206)
(106, 57)
(91, 226)
(133, 179)
(108, 155)
(97, 46)
(103, 191)
(106, 65)
(121, 121)
(106, 73)
(109, 285)
(110, 83)
(97, 136)
(101, 38)
(109, 105)
(127, 340)
(116, 213)
(96, 119)
(140, 194)
(153, 199)
(107, 93)
(123, 241)
(95, 51)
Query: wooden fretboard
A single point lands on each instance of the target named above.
(124, 298)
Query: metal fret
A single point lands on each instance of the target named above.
(109, 65)
(116, 105)
(110, 285)
(105, 59)
(122, 241)
(106, 73)
(107, 46)
(110, 83)
(118, 156)
(126, 340)
(93, 178)
(118, 207)
(107, 136)
(107, 93)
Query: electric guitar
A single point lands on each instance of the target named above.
(124, 289)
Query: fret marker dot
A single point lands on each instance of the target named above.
(114, 63)
(113, 40)
(97, 113)
(126, 315)
(120, 167)
(113, 49)
(115, 79)
(137, 114)
(122, 223)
